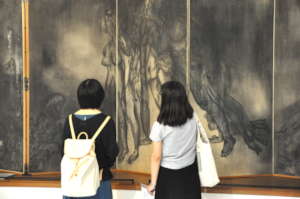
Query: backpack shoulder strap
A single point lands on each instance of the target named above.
(72, 127)
(101, 128)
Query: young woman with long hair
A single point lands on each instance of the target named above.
(174, 172)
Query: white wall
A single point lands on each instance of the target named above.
(54, 193)
(238, 196)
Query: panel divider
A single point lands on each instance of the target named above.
(273, 90)
(117, 72)
(188, 45)
(26, 94)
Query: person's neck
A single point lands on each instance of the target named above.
(87, 111)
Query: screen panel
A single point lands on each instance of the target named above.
(152, 50)
(11, 77)
(231, 81)
(287, 94)
(70, 41)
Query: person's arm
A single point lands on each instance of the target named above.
(155, 164)
(65, 134)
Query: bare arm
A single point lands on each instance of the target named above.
(155, 164)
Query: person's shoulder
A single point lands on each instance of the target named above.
(157, 124)
(67, 117)
(160, 126)
(160, 131)
(195, 116)
(105, 115)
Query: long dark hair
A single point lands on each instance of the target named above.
(175, 108)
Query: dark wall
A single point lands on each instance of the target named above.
(11, 131)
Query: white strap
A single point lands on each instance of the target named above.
(83, 133)
(101, 128)
(72, 127)
(202, 133)
(97, 132)
(200, 130)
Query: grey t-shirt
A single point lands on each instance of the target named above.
(179, 143)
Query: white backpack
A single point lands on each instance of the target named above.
(80, 173)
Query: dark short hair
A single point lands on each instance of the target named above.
(175, 108)
(90, 94)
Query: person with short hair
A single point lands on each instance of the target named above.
(87, 119)
(174, 171)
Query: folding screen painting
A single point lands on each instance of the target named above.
(70, 40)
(231, 81)
(11, 131)
(287, 88)
(221, 50)
(152, 50)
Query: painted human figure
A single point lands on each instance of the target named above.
(224, 112)
(139, 34)
(151, 39)
(159, 73)
(138, 83)
(109, 61)
(169, 50)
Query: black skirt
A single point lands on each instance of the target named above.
(178, 184)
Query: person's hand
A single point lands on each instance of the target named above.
(151, 189)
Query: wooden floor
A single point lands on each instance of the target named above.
(277, 185)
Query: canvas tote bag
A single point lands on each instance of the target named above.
(205, 159)
(80, 174)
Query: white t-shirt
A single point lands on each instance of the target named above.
(179, 143)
